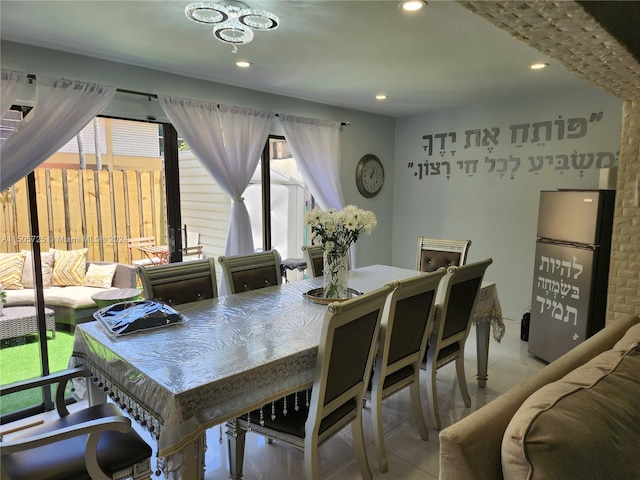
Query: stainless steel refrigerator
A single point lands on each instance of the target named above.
(571, 269)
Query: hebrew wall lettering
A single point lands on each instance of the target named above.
(477, 146)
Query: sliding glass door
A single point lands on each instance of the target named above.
(80, 209)
(276, 199)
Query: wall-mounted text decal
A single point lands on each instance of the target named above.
(445, 145)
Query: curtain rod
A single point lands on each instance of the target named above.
(149, 95)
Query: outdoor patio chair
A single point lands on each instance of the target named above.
(191, 247)
(345, 355)
(250, 272)
(434, 253)
(183, 282)
(405, 328)
(135, 243)
(95, 443)
(454, 311)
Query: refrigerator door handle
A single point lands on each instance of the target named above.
(584, 246)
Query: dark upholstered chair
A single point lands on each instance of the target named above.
(434, 253)
(454, 313)
(243, 273)
(96, 443)
(405, 328)
(177, 283)
(343, 368)
(314, 256)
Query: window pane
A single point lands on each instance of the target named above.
(289, 200)
(205, 208)
(88, 207)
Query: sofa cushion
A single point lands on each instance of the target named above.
(47, 259)
(584, 425)
(100, 276)
(11, 266)
(69, 267)
(74, 296)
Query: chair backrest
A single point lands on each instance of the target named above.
(314, 256)
(407, 322)
(456, 302)
(177, 283)
(434, 253)
(139, 242)
(191, 244)
(250, 272)
(347, 346)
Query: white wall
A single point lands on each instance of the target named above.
(497, 205)
(367, 133)
(496, 212)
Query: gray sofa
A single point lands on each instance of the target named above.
(576, 418)
(73, 305)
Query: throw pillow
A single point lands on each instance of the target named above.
(47, 259)
(99, 276)
(11, 266)
(584, 425)
(69, 267)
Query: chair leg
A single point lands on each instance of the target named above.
(376, 417)
(311, 457)
(358, 445)
(462, 380)
(417, 408)
(235, 443)
(433, 402)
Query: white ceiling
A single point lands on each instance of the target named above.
(338, 53)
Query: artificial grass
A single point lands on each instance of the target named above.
(20, 360)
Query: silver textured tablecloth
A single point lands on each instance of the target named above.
(233, 354)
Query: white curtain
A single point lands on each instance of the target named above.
(63, 108)
(315, 144)
(12, 83)
(228, 141)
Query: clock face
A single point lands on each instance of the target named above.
(369, 176)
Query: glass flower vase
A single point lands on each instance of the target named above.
(335, 274)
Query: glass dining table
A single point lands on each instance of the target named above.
(231, 355)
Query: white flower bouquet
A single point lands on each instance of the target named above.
(336, 231)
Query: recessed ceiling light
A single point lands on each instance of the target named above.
(381, 96)
(538, 66)
(413, 5)
(243, 64)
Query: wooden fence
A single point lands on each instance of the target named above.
(94, 209)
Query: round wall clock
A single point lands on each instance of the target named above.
(369, 175)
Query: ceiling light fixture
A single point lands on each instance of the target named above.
(381, 96)
(538, 66)
(413, 5)
(233, 21)
(243, 64)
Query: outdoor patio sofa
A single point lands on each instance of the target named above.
(73, 304)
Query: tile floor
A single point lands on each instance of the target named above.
(409, 457)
